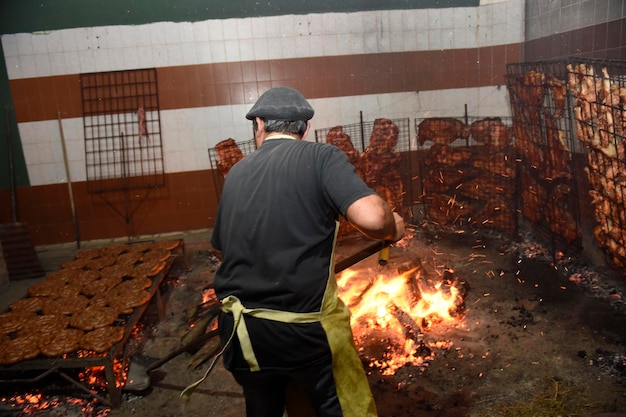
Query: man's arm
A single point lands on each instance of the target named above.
(372, 216)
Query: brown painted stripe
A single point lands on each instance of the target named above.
(317, 77)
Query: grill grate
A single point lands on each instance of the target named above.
(223, 156)
(122, 130)
(389, 171)
(468, 172)
(545, 147)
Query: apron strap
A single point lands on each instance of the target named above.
(232, 304)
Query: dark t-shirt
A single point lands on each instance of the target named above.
(275, 227)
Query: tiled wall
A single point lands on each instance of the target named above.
(396, 64)
(576, 28)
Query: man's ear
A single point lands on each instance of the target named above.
(260, 123)
(306, 132)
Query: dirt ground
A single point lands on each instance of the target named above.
(537, 336)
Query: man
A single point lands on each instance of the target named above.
(281, 317)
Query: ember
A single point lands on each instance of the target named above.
(391, 313)
(35, 403)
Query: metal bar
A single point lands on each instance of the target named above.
(360, 255)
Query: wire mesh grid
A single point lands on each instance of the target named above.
(598, 91)
(224, 155)
(468, 172)
(121, 120)
(545, 144)
(380, 150)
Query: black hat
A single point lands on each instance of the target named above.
(281, 103)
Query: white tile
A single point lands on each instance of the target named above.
(28, 66)
(422, 41)
(370, 42)
(272, 26)
(410, 40)
(260, 49)
(216, 32)
(157, 34)
(302, 46)
(40, 44)
(434, 40)
(9, 45)
(24, 43)
(396, 41)
(244, 29)
(369, 22)
(434, 18)
(87, 62)
(447, 39)
(185, 31)
(330, 46)
(485, 16)
(116, 59)
(343, 43)
(174, 54)
(232, 50)
(188, 52)
(83, 39)
(258, 25)
(35, 175)
(407, 17)
(301, 25)
(203, 52)
(200, 31)
(316, 44)
(355, 25)
(274, 52)
(341, 22)
(229, 28)
(288, 47)
(142, 36)
(14, 67)
(287, 25)
(42, 65)
(172, 33)
(131, 60)
(68, 38)
(145, 56)
(31, 156)
(485, 36)
(246, 49)
(421, 21)
(499, 14)
(218, 53)
(384, 42)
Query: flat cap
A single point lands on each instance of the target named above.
(281, 103)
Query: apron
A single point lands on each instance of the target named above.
(353, 389)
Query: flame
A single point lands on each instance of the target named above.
(392, 312)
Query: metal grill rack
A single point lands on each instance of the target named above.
(598, 107)
(122, 128)
(360, 135)
(546, 150)
(21, 373)
(223, 156)
(468, 173)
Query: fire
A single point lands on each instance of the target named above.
(391, 313)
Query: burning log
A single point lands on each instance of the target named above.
(412, 330)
